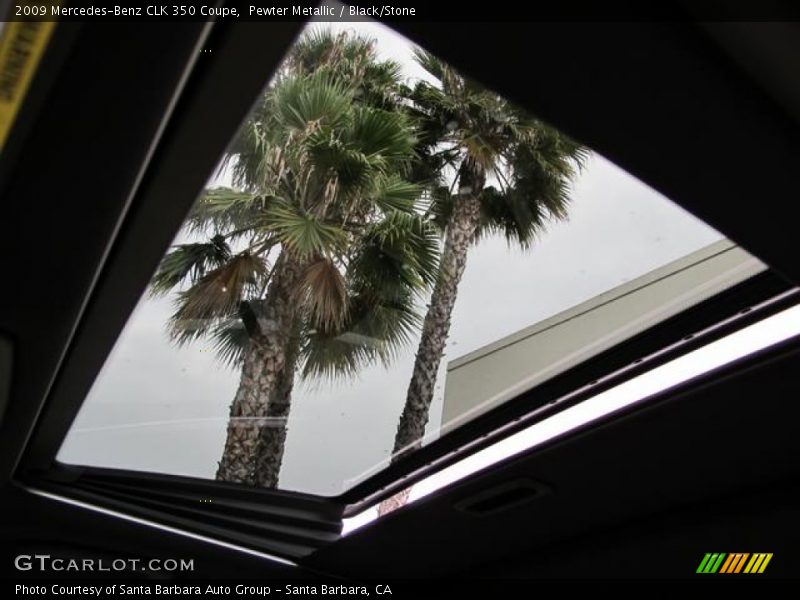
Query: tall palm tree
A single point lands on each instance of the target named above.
(375, 82)
(315, 260)
(473, 136)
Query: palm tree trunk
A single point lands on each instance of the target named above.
(263, 363)
(461, 231)
(436, 327)
(272, 440)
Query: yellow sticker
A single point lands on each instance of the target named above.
(21, 48)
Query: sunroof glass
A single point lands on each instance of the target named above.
(388, 251)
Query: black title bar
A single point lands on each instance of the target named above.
(404, 10)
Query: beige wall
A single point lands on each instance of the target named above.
(497, 372)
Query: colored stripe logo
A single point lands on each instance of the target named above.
(734, 562)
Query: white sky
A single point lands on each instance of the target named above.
(155, 407)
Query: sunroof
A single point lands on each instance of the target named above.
(312, 320)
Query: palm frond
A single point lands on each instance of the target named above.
(252, 151)
(348, 165)
(230, 341)
(440, 208)
(326, 356)
(225, 210)
(372, 144)
(303, 102)
(512, 215)
(189, 262)
(350, 58)
(453, 84)
(400, 251)
(379, 133)
(396, 194)
(374, 334)
(219, 292)
(388, 323)
(301, 232)
(324, 291)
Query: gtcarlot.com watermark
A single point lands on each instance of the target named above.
(46, 562)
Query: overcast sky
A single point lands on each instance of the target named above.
(155, 407)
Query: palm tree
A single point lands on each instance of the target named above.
(315, 260)
(472, 135)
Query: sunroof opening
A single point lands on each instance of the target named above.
(388, 251)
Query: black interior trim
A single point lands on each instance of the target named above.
(502, 497)
(755, 516)
(47, 190)
(282, 524)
